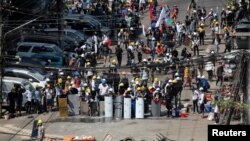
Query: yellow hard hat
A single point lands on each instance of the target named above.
(228, 6)
(88, 90)
(73, 86)
(138, 89)
(121, 85)
(137, 79)
(150, 87)
(157, 60)
(156, 79)
(132, 43)
(113, 61)
(39, 122)
(158, 43)
(94, 77)
(202, 24)
(233, 8)
(48, 85)
(216, 22)
(174, 81)
(88, 63)
(68, 77)
(121, 30)
(59, 80)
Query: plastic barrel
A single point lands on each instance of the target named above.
(108, 106)
(118, 103)
(139, 108)
(127, 108)
(155, 109)
(101, 108)
(73, 104)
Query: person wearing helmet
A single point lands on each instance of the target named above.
(113, 66)
(223, 17)
(201, 101)
(41, 130)
(103, 87)
(49, 94)
(120, 37)
(195, 43)
(121, 89)
(201, 31)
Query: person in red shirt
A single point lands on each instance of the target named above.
(159, 50)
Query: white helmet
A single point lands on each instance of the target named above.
(202, 76)
(176, 74)
(110, 90)
(144, 60)
(201, 88)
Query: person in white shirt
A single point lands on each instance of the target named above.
(195, 100)
(29, 99)
(103, 87)
(201, 103)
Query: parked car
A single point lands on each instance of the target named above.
(8, 83)
(52, 59)
(86, 24)
(77, 35)
(33, 76)
(27, 49)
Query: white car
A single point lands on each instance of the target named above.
(8, 83)
(36, 79)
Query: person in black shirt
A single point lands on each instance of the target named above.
(118, 52)
(219, 74)
(11, 101)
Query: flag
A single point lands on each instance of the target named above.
(168, 21)
(144, 30)
(162, 15)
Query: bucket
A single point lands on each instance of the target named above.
(183, 114)
(208, 108)
(6, 117)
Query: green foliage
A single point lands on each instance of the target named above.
(229, 103)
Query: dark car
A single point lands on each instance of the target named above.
(85, 23)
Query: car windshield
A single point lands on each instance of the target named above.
(38, 75)
(58, 50)
(28, 86)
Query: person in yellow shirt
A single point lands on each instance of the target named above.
(187, 76)
(201, 31)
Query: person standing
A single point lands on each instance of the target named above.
(11, 101)
(37, 100)
(19, 99)
(29, 100)
(41, 130)
(228, 44)
(195, 43)
(195, 100)
(219, 74)
(118, 52)
(201, 102)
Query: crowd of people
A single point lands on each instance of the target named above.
(163, 36)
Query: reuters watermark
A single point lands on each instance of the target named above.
(219, 132)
